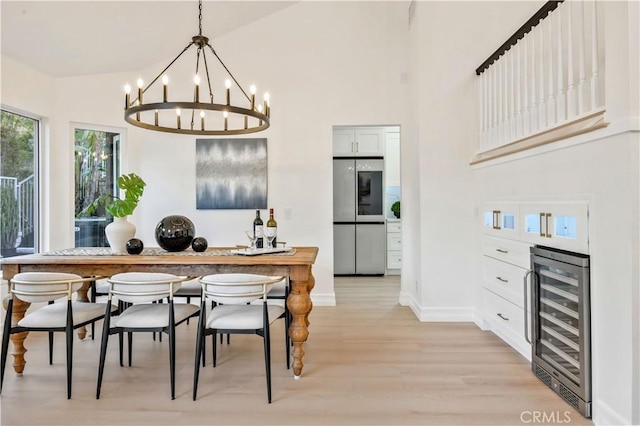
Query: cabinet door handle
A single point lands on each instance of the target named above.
(502, 250)
(352, 147)
(502, 316)
(548, 215)
(526, 306)
(541, 224)
(356, 146)
(502, 279)
(496, 219)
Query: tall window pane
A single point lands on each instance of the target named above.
(96, 170)
(18, 184)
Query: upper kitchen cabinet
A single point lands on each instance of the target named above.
(501, 219)
(358, 141)
(562, 225)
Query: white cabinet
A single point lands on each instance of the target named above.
(505, 266)
(358, 141)
(394, 248)
(562, 225)
(510, 229)
(501, 220)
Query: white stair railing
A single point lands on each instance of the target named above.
(546, 76)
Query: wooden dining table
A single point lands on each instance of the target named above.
(87, 262)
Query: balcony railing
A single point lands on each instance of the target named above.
(545, 83)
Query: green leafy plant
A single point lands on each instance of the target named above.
(8, 218)
(395, 208)
(133, 187)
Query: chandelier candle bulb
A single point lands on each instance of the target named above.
(252, 89)
(140, 84)
(227, 84)
(201, 120)
(246, 122)
(178, 117)
(156, 117)
(196, 80)
(127, 96)
(226, 120)
(165, 82)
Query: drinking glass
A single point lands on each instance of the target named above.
(252, 239)
(270, 239)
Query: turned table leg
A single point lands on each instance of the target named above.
(82, 297)
(299, 304)
(17, 339)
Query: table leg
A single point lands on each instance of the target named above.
(299, 304)
(17, 339)
(82, 297)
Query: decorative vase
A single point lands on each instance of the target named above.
(118, 233)
(175, 233)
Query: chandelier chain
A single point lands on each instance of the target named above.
(200, 17)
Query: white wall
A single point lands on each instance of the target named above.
(324, 63)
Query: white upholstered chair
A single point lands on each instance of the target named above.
(37, 287)
(234, 314)
(138, 290)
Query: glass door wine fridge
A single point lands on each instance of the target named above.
(561, 329)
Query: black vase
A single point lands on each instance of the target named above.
(134, 246)
(199, 244)
(175, 233)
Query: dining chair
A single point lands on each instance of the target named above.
(139, 290)
(235, 314)
(37, 287)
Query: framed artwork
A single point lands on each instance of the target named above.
(231, 173)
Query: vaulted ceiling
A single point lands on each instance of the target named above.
(71, 38)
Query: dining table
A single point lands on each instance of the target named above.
(295, 263)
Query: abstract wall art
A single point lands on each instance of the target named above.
(231, 173)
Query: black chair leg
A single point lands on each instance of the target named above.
(6, 332)
(103, 350)
(200, 345)
(51, 348)
(121, 348)
(129, 346)
(69, 336)
(172, 350)
(215, 349)
(267, 360)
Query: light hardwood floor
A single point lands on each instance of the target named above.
(368, 361)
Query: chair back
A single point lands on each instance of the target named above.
(237, 289)
(35, 287)
(143, 287)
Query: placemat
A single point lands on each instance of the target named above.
(154, 251)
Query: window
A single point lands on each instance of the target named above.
(96, 171)
(19, 141)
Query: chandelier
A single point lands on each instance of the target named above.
(213, 115)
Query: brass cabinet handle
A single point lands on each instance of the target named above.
(547, 224)
(502, 316)
(502, 279)
(541, 225)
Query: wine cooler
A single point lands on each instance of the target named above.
(561, 327)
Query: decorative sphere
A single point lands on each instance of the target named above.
(199, 244)
(175, 233)
(134, 246)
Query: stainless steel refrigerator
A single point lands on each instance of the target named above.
(359, 229)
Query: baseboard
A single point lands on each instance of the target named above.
(602, 414)
(326, 299)
(478, 319)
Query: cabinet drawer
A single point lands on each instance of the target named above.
(394, 259)
(394, 227)
(506, 321)
(504, 279)
(394, 241)
(514, 252)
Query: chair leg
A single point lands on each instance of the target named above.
(200, 344)
(172, 349)
(93, 300)
(129, 346)
(103, 350)
(6, 332)
(121, 348)
(215, 349)
(267, 359)
(51, 348)
(69, 335)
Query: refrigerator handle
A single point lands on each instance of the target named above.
(526, 306)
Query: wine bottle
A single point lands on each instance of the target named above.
(258, 230)
(272, 228)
